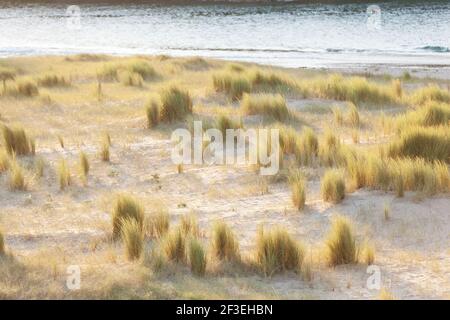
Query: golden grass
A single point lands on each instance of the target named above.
(298, 189)
(329, 149)
(64, 174)
(104, 150)
(152, 109)
(5, 160)
(277, 251)
(17, 141)
(2, 244)
(431, 143)
(128, 78)
(430, 93)
(197, 257)
(231, 83)
(368, 254)
(430, 114)
(133, 238)
(126, 207)
(174, 246)
(6, 75)
(158, 223)
(307, 147)
(16, 177)
(25, 88)
(332, 187)
(353, 115)
(341, 244)
(338, 116)
(176, 104)
(52, 80)
(84, 166)
(273, 106)
(189, 225)
(224, 244)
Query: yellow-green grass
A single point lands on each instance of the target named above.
(189, 225)
(353, 115)
(64, 174)
(231, 83)
(197, 257)
(223, 123)
(330, 149)
(84, 166)
(23, 88)
(2, 244)
(104, 150)
(174, 246)
(111, 71)
(126, 207)
(268, 80)
(129, 78)
(430, 93)
(52, 80)
(298, 189)
(224, 244)
(431, 143)
(332, 186)
(16, 177)
(17, 141)
(307, 147)
(158, 222)
(277, 251)
(133, 238)
(355, 89)
(368, 254)
(176, 104)
(152, 109)
(430, 114)
(269, 105)
(5, 160)
(341, 246)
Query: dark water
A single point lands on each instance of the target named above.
(291, 35)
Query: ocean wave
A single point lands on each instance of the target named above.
(435, 48)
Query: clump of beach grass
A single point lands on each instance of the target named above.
(430, 93)
(174, 246)
(277, 251)
(225, 246)
(5, 160)
(52, 80)
(385, 295)
(431, 143)
(39, 166)
(337, 114)
(16, 177)
(131, 79)
(307, 146)
(17, 141)
(430, 114)
(197, 257)
(104, 150)
(268, 80)
(189, 225)
(232, 83)
(26, 88)
(84, 166)
(6, 75)
(133, 238)
(368, 254)
(332, 186)
(298, 188)
(2, 244)
(176, 104)
(353, 115)
(143, 69)
(269, 105)
(152, 109)
(158, 222)
(64, 174)
(126, 207)
(341, 246)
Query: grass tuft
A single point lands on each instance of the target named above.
(174, 245)
(273, 106)
(298, 187)
(63, 175)
(16, 177)
(126, 207)
(224, 243)
(133, 239)
(341, 243)
(84, 166)
(277, 251)
(176, 104)
(333, 186)
(16, 141)
(152, 110)
(197, 257)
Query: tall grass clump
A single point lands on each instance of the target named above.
(5, 160)
(353, 115)
(189, 225)
(431, 143)
(126, 207)
(27, 88)
(176, 104)
(152, 109)
(2, 244)
(341, 244)
(267, 80)
(52, 80)
(277, 251)
(197, 257)
(330, 149)
(104, 150)
(133, 238)
(332, 186)
(430, 93)
(63, 174)
(174, 246)
(430, 114)
(298, 187)
(354, 89)
(273, 106)
(307, 147)
(84, 166)
(158, 222)
(131, 79)
(224, 243)
(16, 177)
(17, 141)
(232, 83)
(143, 69)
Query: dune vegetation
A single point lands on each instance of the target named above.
(86, 178)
